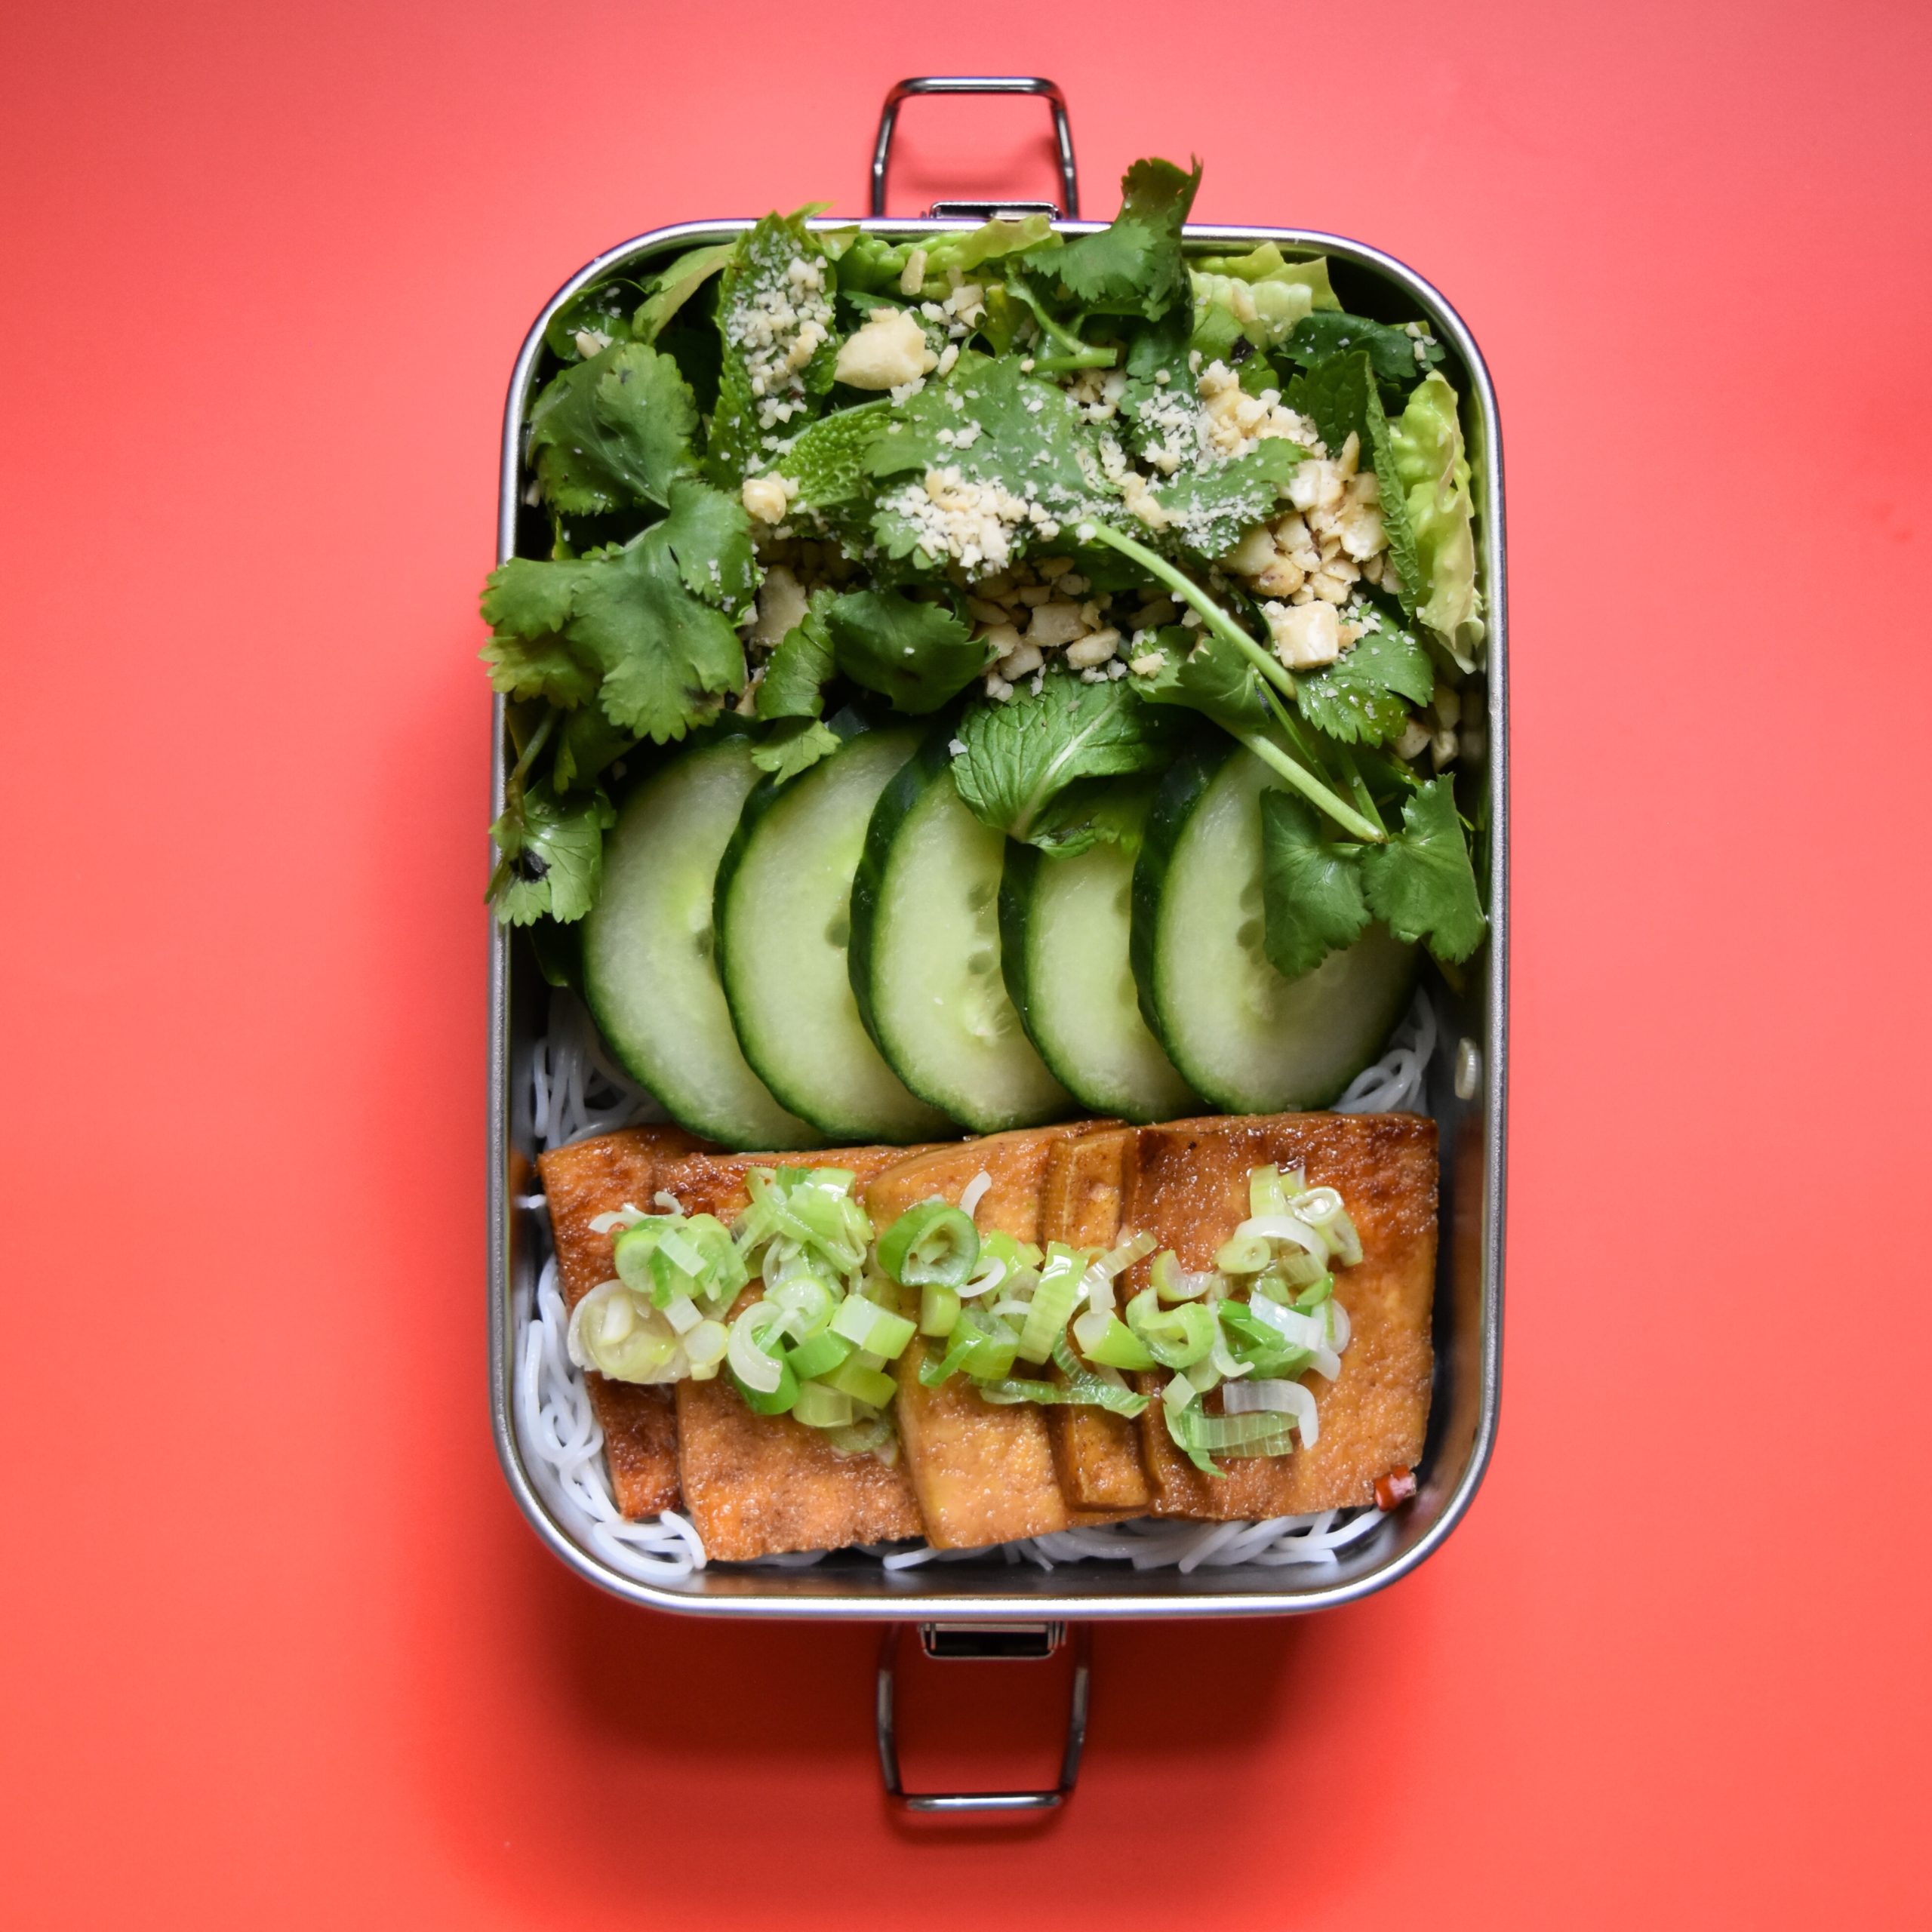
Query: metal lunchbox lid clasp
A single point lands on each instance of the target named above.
(924, 84)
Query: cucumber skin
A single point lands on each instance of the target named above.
(930, 765)
(764, 795)
(907, 785)
(1174, 800)
(701, 748)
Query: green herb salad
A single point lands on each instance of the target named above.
(984, 678)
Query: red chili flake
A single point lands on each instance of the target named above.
(1397, 1486)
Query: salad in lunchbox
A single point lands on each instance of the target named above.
(984, 678)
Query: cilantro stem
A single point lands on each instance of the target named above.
(1312, 789)
(1190, 593)
(1070, 351)
(513, 785)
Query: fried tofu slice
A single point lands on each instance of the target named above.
(1187, 1185)
(1096, 1455)
(983, 1471)
(581, 1181)
(762, 1485)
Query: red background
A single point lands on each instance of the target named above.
(278, 1649)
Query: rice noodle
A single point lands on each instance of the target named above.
(575, 1093)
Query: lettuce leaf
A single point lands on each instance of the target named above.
(670, 288)
(1431, 474)
(1275, 295)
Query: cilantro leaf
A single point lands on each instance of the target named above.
(1209, 508)
(1134, 266)
(766, 314)
(1364, 697)
(1312, 902)
(1421, 884)
(528, 607)
(1391, 352)
(587, 742)
(919, 655)
(614, 432)
(646, 630)
(1205, 673)
(792, 745)
(1021, 754)
(670, 288)
(797, 672)
(552, 855)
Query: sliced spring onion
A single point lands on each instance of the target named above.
(866, 1385)
(819, 1355)
(1321, 1208)
(1246, 1254)
(756, 1366)
(805, 1303)
(939, 1310)
(977, 1346)
(620, 1335)
(1266, 1193)
(1054, 1301)
(1276, 1398)
(768, 1401)
(866, 1325)
(1266, 1228)
(820, 1408)
(681, 1255)
(704, 1349)
(1176, 1337)
(1103, 1337)
(874, 1436)
(682, 1314)
(1339, 1327)
(1256, 1344)
(1172, 1282)
(1302, 1331)
(933, 1242)
(974, 1192)
(624, 1216)
(1104, 1387)
(1198, 1434)
(990, 1273)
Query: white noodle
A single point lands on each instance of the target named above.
(576, 1092)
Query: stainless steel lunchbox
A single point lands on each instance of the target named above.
(983, 1608)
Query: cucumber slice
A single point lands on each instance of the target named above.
(925, 955)
(784, 901)
(1247, 1038)
(1063, 946)
(649, 972)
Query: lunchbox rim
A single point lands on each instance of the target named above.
(1139, 1595)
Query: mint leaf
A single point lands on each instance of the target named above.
(827, 461)
(996, 426)
(1210, 676)
(1391, 352)
(918, 655)
(1312, 902)
(1339, 396)
(1421, 884)
(602, 309)
(1134, 266)
(1364, 697)
(670, 288)
(1094, 811)
(614, 432)
(1021, 754)
(780, 343)
(552, 856)
(797, 672)
(1210, 507)
(794, 744)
